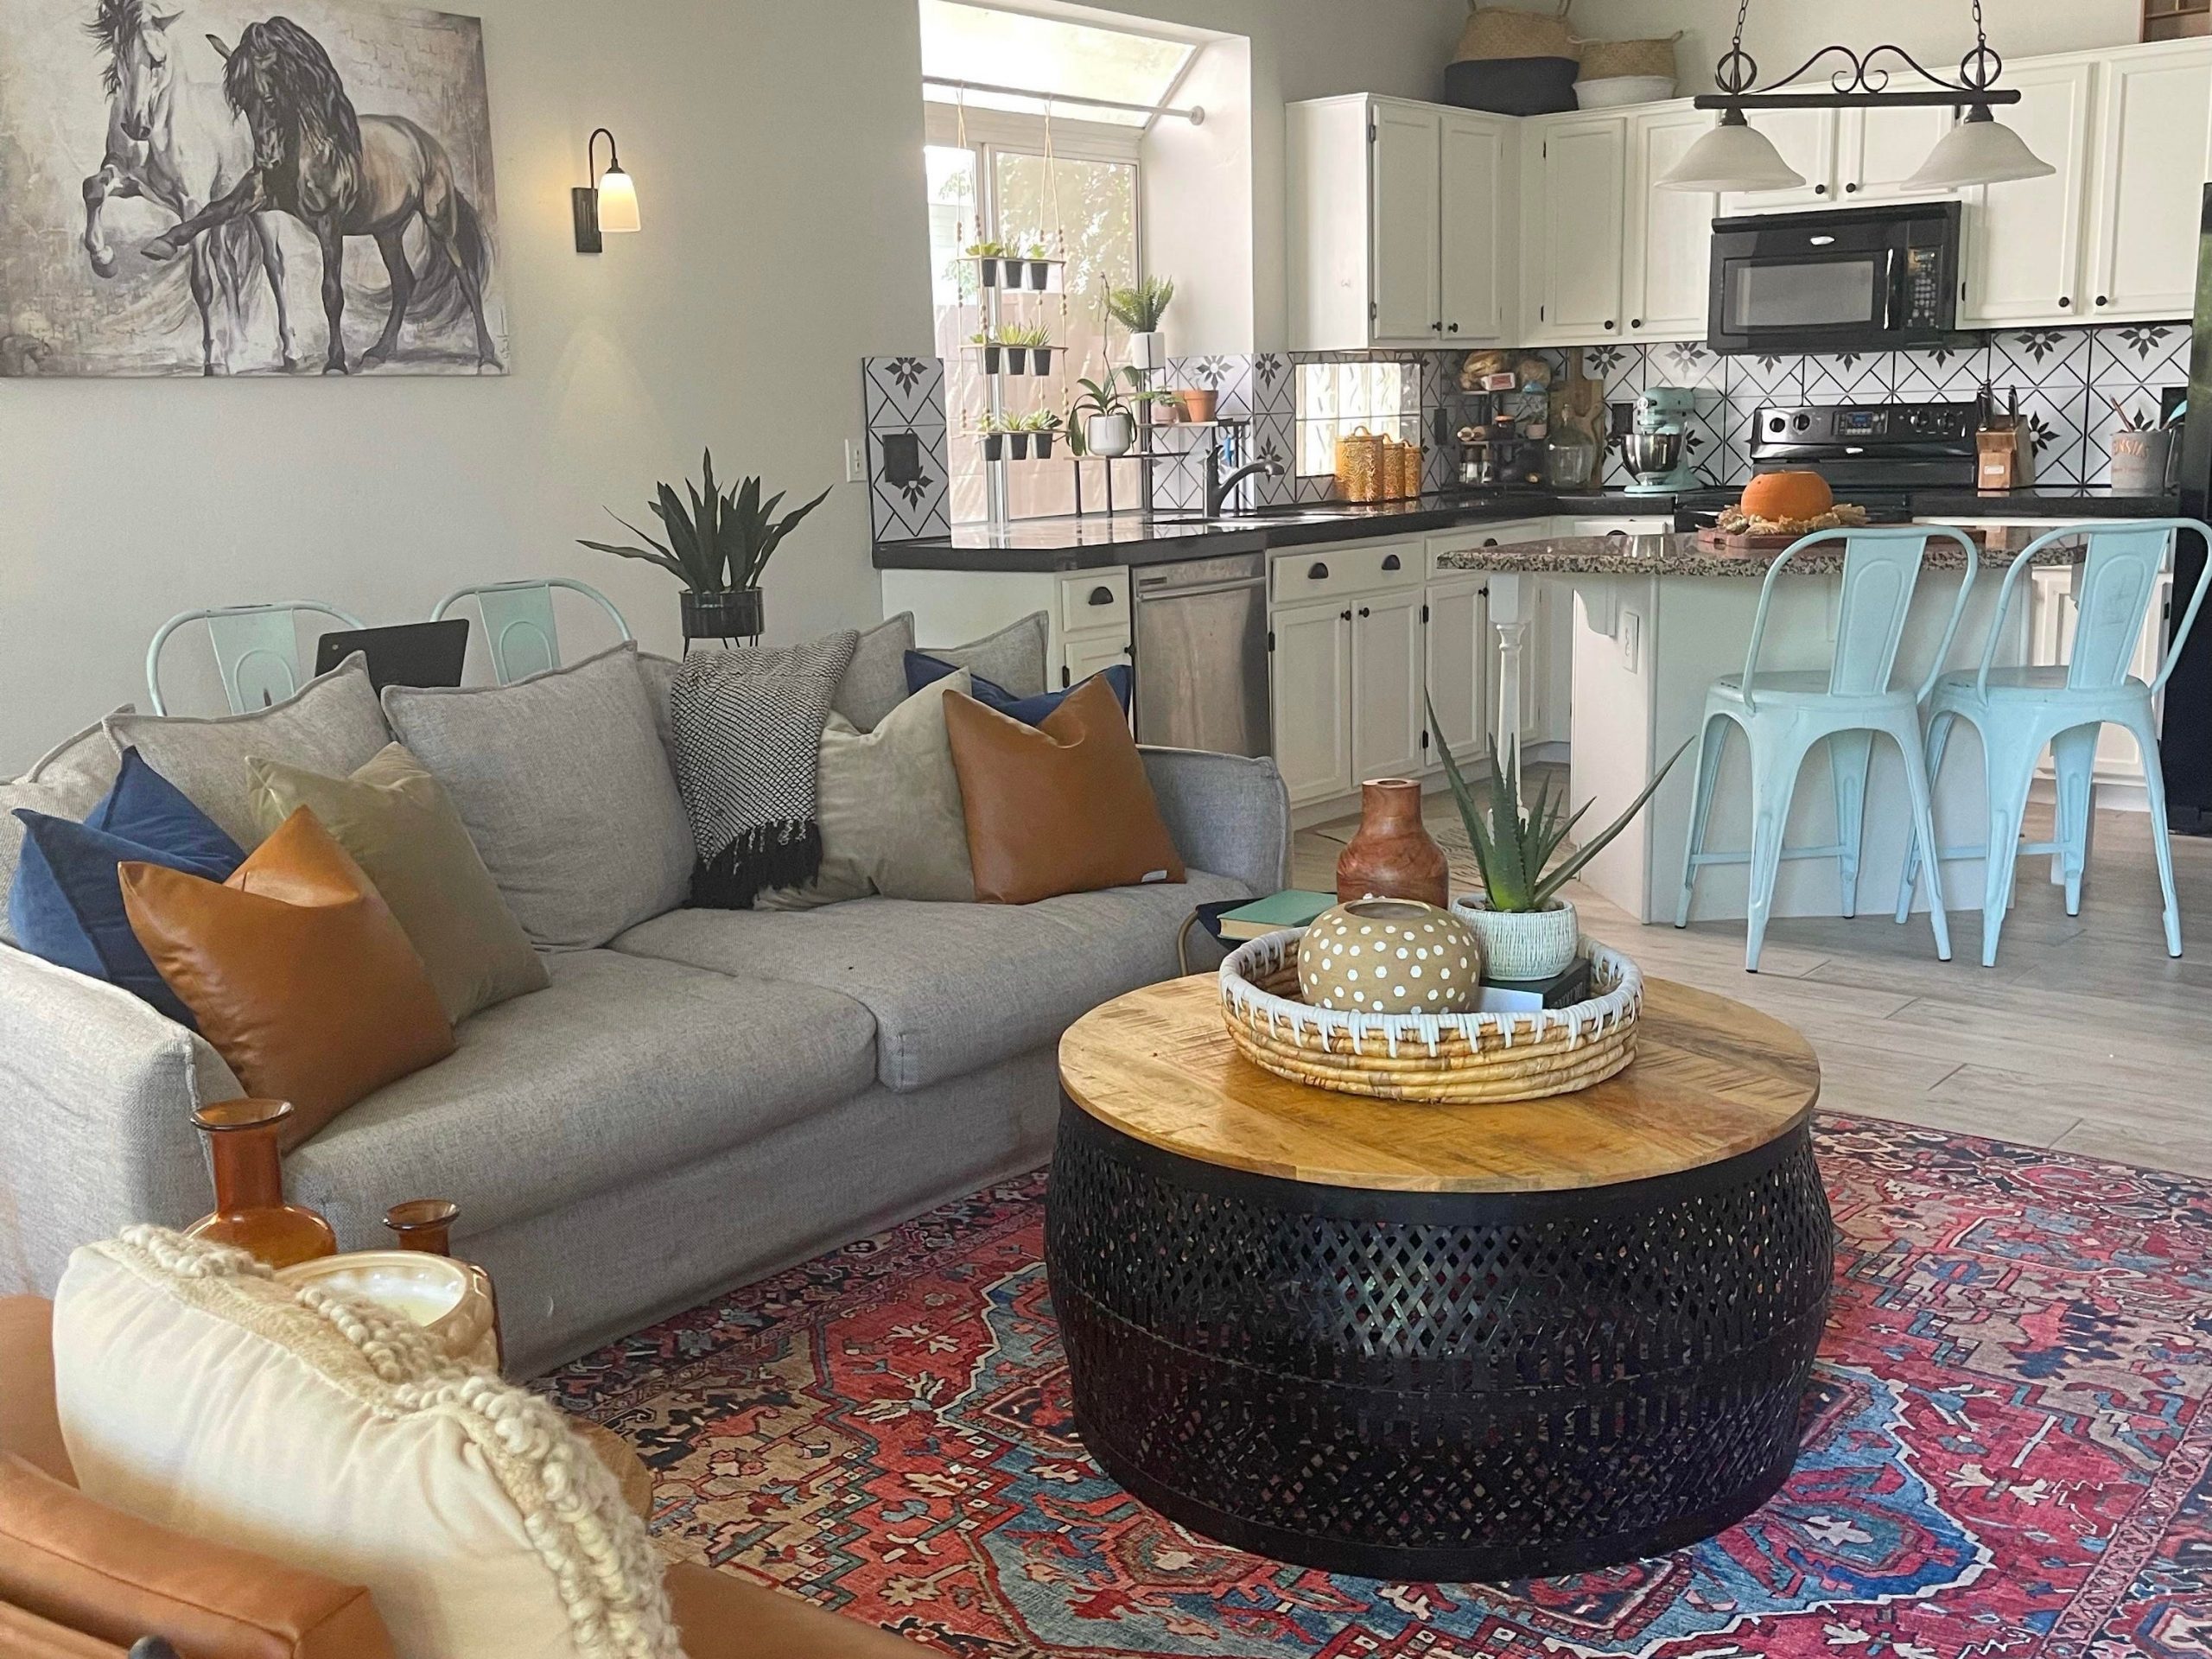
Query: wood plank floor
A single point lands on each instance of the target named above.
(2086, 1035)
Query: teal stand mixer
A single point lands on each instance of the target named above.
(1657, 448)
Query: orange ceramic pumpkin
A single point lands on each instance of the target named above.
(1787, 498)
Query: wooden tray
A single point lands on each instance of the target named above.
(1720, 541)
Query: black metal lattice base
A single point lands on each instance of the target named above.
(1440, 1387)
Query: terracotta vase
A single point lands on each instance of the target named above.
(250, 1209)
(1393, 857)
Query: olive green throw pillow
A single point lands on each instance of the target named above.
(396, 821)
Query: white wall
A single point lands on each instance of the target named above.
(776, 146)
(1783, 34)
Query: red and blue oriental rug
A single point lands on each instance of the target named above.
(2007, 1457)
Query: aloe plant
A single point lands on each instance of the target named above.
(722, 540)
(1513, 846)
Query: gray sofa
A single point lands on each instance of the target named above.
(713, 1095)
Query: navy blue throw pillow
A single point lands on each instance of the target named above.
(922, 669)
(66, 904)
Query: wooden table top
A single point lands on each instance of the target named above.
(1712, 1080)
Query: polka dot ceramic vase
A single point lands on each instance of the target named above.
(1389, 956)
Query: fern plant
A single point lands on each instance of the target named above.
(718, 541)
(1513, 845)
(1140, 308)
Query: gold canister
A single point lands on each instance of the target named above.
(1359, 466)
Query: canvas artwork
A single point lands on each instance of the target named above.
(209, 186)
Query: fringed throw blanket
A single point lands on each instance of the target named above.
(749, 742)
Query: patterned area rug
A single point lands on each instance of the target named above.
(2008, 1455)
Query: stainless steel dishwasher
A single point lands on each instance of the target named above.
(1202, 654)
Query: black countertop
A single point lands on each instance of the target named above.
(1096, 541)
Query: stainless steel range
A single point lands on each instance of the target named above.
(1872, 446)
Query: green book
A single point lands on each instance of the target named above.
(1293, 908)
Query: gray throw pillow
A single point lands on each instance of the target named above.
(566, 791)
(875, 682)
(1012, 657)
(66, 782)
(331, 725)
(888, 804)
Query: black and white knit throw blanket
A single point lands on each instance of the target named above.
(748, 744)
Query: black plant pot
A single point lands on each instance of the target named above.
(734, 613)
(1017, 359)
(1039, 274)
(989, 268)
(991, 359)
(1021, 442)
(1043, 446)
(993, 446)
(1044, 355)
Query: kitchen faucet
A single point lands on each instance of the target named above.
(1219, 489)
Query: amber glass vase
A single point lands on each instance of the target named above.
(250, 1209)
(1393, 857)
(425, 1224)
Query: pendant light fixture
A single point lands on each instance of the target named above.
(1979, 150)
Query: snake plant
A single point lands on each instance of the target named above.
(1513, 845)
(722, 540)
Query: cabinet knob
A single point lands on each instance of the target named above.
(1453, 329)
(1364, 611)
(1391, 563)
(2066, 303)
(1635, 322)
(1609, 324)
(2103, 300)
(1851, 189)
(1819, 189)
(1490, 541)
(1343, 616)
(1318, 573)
(1436, 328)
(1099, 596)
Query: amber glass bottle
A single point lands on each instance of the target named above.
(250, 1209)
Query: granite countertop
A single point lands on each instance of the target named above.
(1096, 542)
(1684, 556)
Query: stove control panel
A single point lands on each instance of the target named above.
(1842, 427)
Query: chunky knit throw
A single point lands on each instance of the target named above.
(748, 744)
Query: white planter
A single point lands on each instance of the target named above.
(1148, 351)
(1523, 944)
(1109, 435)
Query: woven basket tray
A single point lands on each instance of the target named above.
(1454, 1057)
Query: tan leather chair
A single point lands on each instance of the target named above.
(81, 1580)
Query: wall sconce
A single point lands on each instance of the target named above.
(612, 204)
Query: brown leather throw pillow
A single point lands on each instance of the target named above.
(1061, 808)
(295, 970)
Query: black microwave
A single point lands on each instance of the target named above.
(1860, 279)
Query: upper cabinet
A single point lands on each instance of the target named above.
(2025, 238)
(1403, 224)
(1850, 158)
(1666, 265)
(1805, 139)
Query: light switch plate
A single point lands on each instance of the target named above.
(856, 462)
(1631, 640)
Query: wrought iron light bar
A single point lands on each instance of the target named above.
(1863, 80)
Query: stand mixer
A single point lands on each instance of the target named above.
(1658, 449)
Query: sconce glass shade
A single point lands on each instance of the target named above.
(618, 200)
(1980, 149)
(1734, 156)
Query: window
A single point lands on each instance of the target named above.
(1337, 399)
(1030, 172)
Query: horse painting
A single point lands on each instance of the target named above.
(177, 141)
(342, 173)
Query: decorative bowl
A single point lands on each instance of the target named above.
(1459, 1057)
(445, 1297)
(1523, 945)
(1611, 92)
(1390, 956)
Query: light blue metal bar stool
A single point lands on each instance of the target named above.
(2021, 711)
(1783, 715)
(519, 626)
(256, 650)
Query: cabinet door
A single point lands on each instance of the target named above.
(1386, 686)
(1667, 265)
(1082, 655)
(1407, 159)
(1877, 151)
(1311, 665)
(2146, 201)
(2023, 237)
(1577, 186)
(1458, 668)
(1481, 236)
(1807, 140)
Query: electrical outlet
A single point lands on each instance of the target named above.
(856, 462)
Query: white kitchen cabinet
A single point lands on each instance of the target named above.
(1088, 610)
(1878, 150)
(1575, 178)
(1403, 224)
(1667, 262)
(1310, 667)
(1458, 654)
(2153, 107)
(1386, 670)
(1082, 655)
(1807, 140)
(2025, 239)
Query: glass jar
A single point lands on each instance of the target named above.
(1570, 459)
(250, 1208)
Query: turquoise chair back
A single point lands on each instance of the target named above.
(2119, 583)
(1881, 572)
(256, 650)
(519, 630)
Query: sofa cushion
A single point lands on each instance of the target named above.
(331, 725)
(566, 790)
(66, 782)
(622, 1068)
(953, 988)
(875, 680)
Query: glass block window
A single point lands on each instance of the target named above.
(1336, 398)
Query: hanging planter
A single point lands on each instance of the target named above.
(1044, 355)
(992, 359)
(1043, 446)
(1017, 359)
(1041, 273)
(1019, 443)
(993, 446)
(987, 269)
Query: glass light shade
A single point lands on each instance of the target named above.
(618, 200)
(1734, 156)
(1980, 149)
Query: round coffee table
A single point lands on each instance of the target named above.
(1440, 1342)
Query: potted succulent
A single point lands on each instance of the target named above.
(1038, 428)
(1041, 267)
(988, 256)
(1029, 346)
(992, 354)
(1103, 421)
(1139, 309)
(992, 430)
(718, 544)
(1527, 931)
